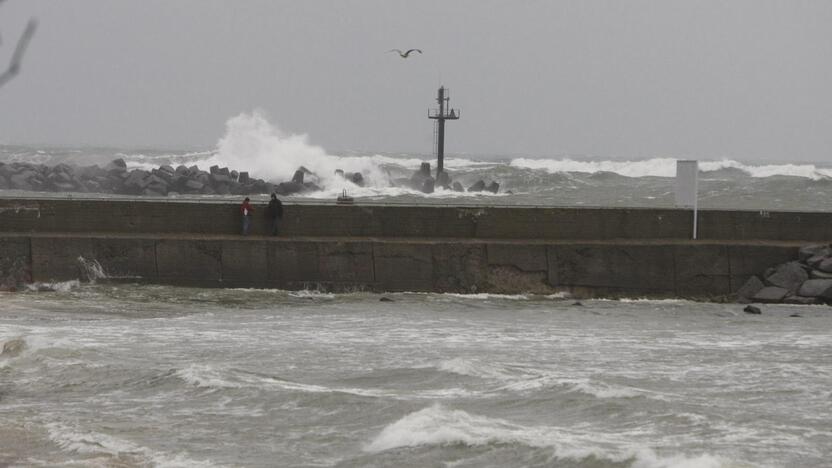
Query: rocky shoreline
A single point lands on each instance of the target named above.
(166, 180)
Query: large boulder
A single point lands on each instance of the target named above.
(801, 300)
(116, 165)
(218, 178)
(478, 186)
(136, 181)
(493, 187)
(788, 276)
(749, 289)
(770, 294)
(808, 251)
(193, 186)
(289, 188)
(458, 187)
(815, 287)
(23, 180)
(298, 177)
(825, 265)
(815, 260)
(817, 274)
(429, 185)
(752, 310)
(417, 180)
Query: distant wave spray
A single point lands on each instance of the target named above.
(666, 167)
(251, 143)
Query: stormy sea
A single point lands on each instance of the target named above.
(97, 373)
(130, 375)
(253, 144)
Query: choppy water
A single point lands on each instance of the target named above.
(128, 375)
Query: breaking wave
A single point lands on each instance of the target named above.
(666, 167)
(57, 286)
(124, 452)
(252, 143)
(437, 425)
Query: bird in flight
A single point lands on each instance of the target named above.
(405, 54)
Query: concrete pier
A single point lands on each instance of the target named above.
(585, 251)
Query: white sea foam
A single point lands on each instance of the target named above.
(666, 167)
(516, 379)
(58, 286)
(149, 162)
(437, 425)
(559, 295)
(311, 293)
(601, 390)
(472, 368)
(642, 300)
(483, 296)
(94, 443)
(208, 376)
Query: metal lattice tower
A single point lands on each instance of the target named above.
(443, 113)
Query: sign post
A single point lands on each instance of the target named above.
(687, 187)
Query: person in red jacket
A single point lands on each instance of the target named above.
(246, 210)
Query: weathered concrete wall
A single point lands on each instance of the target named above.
(15, 262)
(666, 268)
(423, 222)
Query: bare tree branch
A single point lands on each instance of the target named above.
(17, 56)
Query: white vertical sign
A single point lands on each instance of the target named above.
(687, 187)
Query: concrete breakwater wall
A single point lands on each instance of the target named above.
(585, 251)
(661, 268)
(422, 221)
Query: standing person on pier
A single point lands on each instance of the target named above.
(246, 210)
(275, 211)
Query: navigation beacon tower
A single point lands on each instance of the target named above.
(441, 115)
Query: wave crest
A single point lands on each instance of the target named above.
(666, 167)
(437, 426)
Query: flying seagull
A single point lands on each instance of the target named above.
(404, 54)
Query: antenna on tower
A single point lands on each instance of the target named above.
(443, 113)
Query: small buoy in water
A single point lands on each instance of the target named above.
(752, 310)
(386, 299)
(577, 303)
(795, 315)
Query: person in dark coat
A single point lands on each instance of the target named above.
(275, 212)
(246, 210)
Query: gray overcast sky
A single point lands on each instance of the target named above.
(747, 79)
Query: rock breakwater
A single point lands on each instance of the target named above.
(807, 280)
(117, 179)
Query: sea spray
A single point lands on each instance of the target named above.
(251, 143)
(92, 269)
